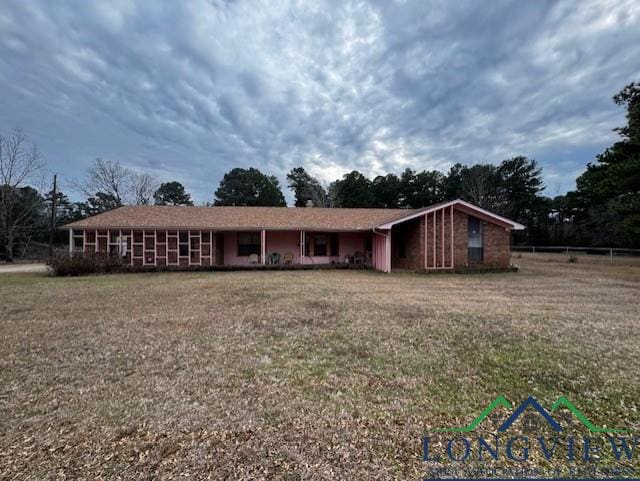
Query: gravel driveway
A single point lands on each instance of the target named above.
(15, 268)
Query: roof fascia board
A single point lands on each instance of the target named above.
(466, 207)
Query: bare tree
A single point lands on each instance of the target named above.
(19, 163)
(142, 188)
(480, 185)
(104, 176)
(113, 179)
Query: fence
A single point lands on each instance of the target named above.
(610, 252)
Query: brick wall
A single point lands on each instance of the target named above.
(496, 246)
(438, 248)
(412, 234)
(460, 240)
(496, 242)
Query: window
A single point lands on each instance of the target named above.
(320, 245)
(248, 243)
(78, 242)
(334, 243)
(183, 244)
(474, 229)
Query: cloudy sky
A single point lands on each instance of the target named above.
(188, 90)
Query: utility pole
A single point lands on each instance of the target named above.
(53, 215)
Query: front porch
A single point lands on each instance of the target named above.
(207, 248)
(269, 247)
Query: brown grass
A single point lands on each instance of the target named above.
(297, 375)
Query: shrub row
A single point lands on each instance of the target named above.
(78, 264)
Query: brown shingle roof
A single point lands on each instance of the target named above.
(240, 218)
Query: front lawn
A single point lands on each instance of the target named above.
(297, 375)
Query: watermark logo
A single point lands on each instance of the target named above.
(531, 402)
(545, 436)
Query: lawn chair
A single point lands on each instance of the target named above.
(287, 258)
(358, 257)
(274, 258)
(254, 259)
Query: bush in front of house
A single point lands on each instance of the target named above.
(78, 264)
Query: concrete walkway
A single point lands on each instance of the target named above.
(19, 268)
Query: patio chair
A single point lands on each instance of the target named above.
(287, 258)
(358, 257)
(254, 259)
(274, 258)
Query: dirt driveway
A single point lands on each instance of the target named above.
(17, 268)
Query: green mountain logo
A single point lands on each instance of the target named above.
(497, 402)
(531, 402)
(564, 402)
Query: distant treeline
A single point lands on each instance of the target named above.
(603, 210)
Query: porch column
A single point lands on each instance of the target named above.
(388, 251)
(451, 245)
(263, 246)
(70, 241)
(426, 235)
(302, 240)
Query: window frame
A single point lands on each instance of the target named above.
(323, 245)
(245, 250)
(334, 244)
(475, 253)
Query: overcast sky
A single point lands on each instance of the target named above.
(188, 90)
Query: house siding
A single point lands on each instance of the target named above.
(427, 245)
(460, 239)
(412, 234)
(497, 250)
(438, 240)
(496, 242)
(422, 234)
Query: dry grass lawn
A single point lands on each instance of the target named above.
(297, 375)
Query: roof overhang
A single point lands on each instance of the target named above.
(213, 229)
(462, 206)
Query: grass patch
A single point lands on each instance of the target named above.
(297, 375)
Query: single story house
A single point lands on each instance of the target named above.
(446, 236)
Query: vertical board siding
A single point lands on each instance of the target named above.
(439, 245)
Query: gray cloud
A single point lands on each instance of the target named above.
(188, 90)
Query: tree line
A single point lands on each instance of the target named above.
(603, 209)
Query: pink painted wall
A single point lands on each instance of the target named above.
(381, 253)
(282, 242)
(231, 257)
(349, 243)
(288, 241)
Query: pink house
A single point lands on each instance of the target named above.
(445, 236)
